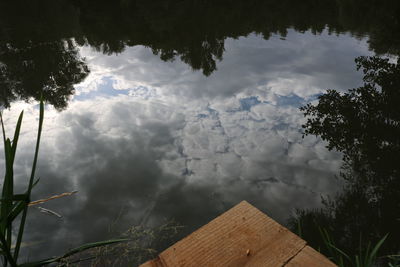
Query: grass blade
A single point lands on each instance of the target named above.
(8, 186)
(17, 209)
(31, 181)
(8, 191)
(340, 251)
(74, 251)
(374, 252)
(7, 251)
(2, 127)
(16, 136)
(93, 245)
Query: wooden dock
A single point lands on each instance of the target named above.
(242, 236)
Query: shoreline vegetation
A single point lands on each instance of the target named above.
(360, 226)
(35, 32)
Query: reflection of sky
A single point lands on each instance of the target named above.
(155, 140)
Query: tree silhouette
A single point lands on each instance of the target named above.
(193, 31)
(37, 55)
(50, 69)
(364, 124)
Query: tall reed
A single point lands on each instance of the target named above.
(14, 206)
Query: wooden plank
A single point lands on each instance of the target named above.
(309, 257)
(242, 236)
(153, 263)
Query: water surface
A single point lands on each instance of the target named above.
(171, 116)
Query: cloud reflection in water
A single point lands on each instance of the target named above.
(156, 140)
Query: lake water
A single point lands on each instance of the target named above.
(175, 111)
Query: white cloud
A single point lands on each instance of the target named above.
(178, 138)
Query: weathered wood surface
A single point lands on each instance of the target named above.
(309, 257)
(242, 236)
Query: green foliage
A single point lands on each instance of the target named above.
(364, 255)
(363, 121)
(366, 258)
(13, 205)
(363, 124)
(394, 260)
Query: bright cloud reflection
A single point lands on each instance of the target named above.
(159, 140)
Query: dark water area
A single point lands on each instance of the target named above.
(161, 110)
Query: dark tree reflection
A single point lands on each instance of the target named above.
(37, 55)
(193, 31)
(50, 69)
(364, 124)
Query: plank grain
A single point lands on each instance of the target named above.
(241, 237)
(309, 257)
